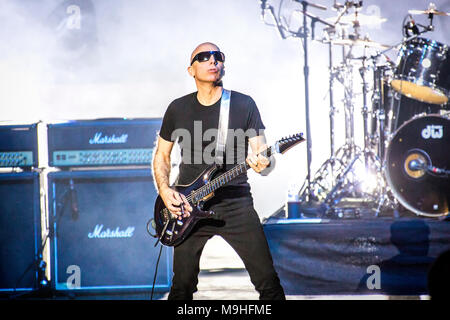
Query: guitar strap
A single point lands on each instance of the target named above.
(223, 125)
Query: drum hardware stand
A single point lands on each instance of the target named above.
(332, 112)
(331, 200)
(332, 160)
(365, 113)
(332, 108)
(378, 200)
(349, 153)
(378, 102)
(340, 162)
(332, 194)
(386, 200)
(383, 199)
(347, 189)
(335, 163)
(430, 11)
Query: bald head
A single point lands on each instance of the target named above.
(210, 71)
(205, 46)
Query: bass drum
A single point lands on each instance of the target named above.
(419, 143)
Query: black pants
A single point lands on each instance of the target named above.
(237, 222)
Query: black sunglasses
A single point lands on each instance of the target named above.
(206, 55)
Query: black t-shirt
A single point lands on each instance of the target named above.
(196, 127)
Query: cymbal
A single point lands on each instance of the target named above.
(361, 19)
(360, 43)
(429, 11)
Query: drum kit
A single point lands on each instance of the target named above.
(404, 162)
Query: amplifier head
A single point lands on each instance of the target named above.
(18, 146)
(93, 143)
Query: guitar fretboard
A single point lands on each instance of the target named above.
(224, 178)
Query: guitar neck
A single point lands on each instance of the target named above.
(226, 177)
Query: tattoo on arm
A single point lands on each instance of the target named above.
(161, 171)
(161, 166)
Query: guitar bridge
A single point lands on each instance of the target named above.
(208, 196)
(167, 215)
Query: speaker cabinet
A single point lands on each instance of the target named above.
(99, 231)
(20, 234)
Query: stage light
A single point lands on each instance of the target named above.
(367, 179)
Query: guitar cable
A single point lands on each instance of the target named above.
(150, 223)
(156, 271)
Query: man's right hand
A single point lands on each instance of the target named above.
(174, 202)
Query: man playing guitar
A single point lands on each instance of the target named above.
(235, 218)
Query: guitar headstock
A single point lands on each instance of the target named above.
(284, 144)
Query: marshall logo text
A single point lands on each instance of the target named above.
(110, 233)
(99, 138)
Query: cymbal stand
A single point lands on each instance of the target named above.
(332, 112)
(347, 81)
(373, 163)
(378, 104)
(333, 169)
(365, 112)
(339, 167)
(324, 178)
(381, 195)
(349, 181)
(332, 107)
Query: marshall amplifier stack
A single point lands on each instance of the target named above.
(99, 203)
(20, 212)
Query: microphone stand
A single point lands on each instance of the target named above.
(307, 194)
(307, 115)
(304, 35)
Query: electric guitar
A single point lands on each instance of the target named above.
(172, 231)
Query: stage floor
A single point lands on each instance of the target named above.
(223, 277)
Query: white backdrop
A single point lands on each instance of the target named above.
(87, 59)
